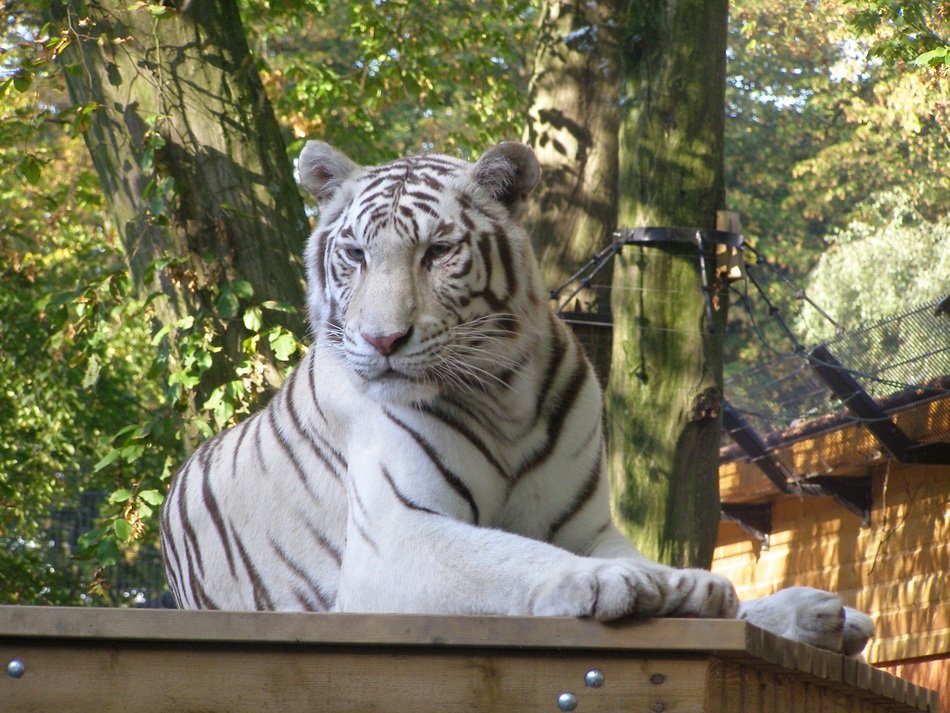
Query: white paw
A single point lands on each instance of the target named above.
(605, 591)
(858, 628)
(811, 616)
(696, 592)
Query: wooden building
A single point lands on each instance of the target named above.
(864, 512)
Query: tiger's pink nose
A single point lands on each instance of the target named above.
(386, 344)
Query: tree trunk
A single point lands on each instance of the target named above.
(666, 377)
(192, 163)
(572, 126)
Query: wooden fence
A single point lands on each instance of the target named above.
(102, 660)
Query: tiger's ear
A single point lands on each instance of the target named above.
(508, 172)
(323, 169)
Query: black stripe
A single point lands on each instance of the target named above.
(337, 455)
(211, 505)
(504, 255)
(301, 573)
(421, 195)
(305, 436)
(262, 600)
(469, 435)
(361, 508)
(324, 543)
(403, 499)
(190, 540)
(564, 401)
(451, 478)
(555, 354)
(169, 552)
(323, 239)
(202, 600)
(289, 452)
(244, 428)
(580, 499)
(495, 302)
(172, 568)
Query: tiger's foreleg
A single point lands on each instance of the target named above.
(423, 562)
(405, 556)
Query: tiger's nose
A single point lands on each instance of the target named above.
(386, 344)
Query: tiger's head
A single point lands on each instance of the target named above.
(420, 276)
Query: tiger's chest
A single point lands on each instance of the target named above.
(467, 465)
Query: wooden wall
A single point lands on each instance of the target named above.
(897, 570)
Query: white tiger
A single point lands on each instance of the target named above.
(439, 449)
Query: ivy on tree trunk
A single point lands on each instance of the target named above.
(193, 165)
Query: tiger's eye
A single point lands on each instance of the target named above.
(437, 250)
(355, 254)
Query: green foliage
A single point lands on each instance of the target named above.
(881, 264)
(903, 30)
(99, 395)
(382, 79)
(816, 128)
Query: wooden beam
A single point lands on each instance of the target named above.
(108, 660)
(749, 440)
(754, 519)
(845, 387)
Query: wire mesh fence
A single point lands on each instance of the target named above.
(906, 353)
(136, 579)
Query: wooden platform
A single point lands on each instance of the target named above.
(101, 660)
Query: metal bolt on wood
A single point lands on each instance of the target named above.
(657, 678)
(16, 668)
(594, 678)
(567, 702)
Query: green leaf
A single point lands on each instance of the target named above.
(120, 496)
(122, 529)
(243, 289)
(107, 552)
(253, 319)
(90, 538)
(283, 344)
(30, 167)
(107, 460)
(213, 399)
(228, 303)
(275, 306)
(222, 413)
(132, 453)
(936, 56)
(22, 80)
(160, 334)
(152, 497)
(160, 11)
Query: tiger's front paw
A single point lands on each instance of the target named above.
(698, 593)
(605, 591)
(811, 616)
(858, 629)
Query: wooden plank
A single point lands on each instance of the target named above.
(712, 635)
(238, 679)
(214, 661)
